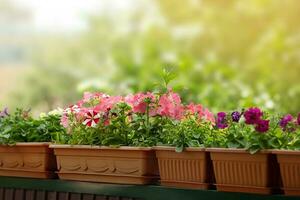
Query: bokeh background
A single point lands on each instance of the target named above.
(226, 54)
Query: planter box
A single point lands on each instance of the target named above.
(188, 169)
(125, 165)
(236, 170)
(289, 162)
(33, 160)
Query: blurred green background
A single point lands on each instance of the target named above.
(226, 54)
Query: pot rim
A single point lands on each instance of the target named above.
(286, 152)
(95, 147)
(235, 150)
(170, 148)
(27, 144)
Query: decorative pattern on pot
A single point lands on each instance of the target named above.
(236, 170)
(289, 162)
(187, 169)
(107, 166)
(112, 165)
(27, 160)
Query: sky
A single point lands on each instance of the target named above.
(68, 15)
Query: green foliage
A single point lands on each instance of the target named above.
(190, 132)
(21, 127)
(242, 135)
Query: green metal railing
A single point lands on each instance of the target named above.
(150, 192)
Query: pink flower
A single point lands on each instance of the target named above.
(108, 103)
(64, 121)
(137, 101)
(80, 116)
(169, 105)
(92, 118)
(88, 96)
(72, 109)
(209, 116)
(195, 109)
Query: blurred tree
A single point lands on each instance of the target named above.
(226, 54)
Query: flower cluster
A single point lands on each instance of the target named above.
(289, 123)
(223, 120)
(252, 116)
(168, 105)
(131, 119)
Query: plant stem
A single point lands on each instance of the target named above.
(147, 119)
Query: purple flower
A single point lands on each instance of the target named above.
(298, 119)
(4, 113)
(285, 120)
(262, 125)
(253, 115)
(236, 116)
(221, 120)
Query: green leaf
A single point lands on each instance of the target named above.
(254, 150)
(193, 143)
(179, 148)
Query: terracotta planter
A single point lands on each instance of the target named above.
(33, 160)
(236, 170)
(188, 169)
(289, 162)
(125, 165)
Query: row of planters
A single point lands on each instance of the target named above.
(150, 137)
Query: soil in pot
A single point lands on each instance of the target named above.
(34, 160)
(188, 169)
(236, 170)
(289, 163)
(125, 165)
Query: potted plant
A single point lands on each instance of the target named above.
(183, 161)
(109, 139)
(288, 154)
(243, 162)
(24, 144)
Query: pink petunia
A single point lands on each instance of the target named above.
(137, 101)
(64, 121)
(169, 105)
(108, 103)
(88, 96)
(195, 109)
(209, 116)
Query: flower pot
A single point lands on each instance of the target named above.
(125, 165)
(188, 169)
(236, 170)
(34, 160)
(289, 163)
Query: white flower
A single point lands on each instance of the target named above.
(58, 111)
